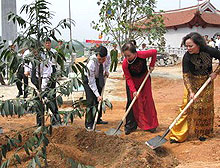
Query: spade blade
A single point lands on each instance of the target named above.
(113, 131)
(156, 142)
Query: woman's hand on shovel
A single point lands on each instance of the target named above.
(135, 94)
(192, 95)
(151, 69)
(213, 75)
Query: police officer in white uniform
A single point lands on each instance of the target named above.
(98, 67)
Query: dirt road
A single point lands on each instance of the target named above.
(129, 151)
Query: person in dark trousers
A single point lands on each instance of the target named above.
(48, 81)
(2, 79)
(52, 82)
(143, 113)
(98, 67)
(21, 76)
(114, 58)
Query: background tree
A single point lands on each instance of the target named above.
(35, 29)
(123, 20)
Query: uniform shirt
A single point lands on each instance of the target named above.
(45, 67)
(45, 70)
(53, 60)
(93, 67)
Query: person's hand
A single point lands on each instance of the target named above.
(99, 98)
(107, 74)
(151, 69)
(192, 95)
(27, 73)
(135, 94)
(213, 75)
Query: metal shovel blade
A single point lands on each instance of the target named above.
(156, 142)
(113, 131)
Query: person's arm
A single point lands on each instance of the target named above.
(216, 54)
(27, 69)
(187, 75)
(149, 53)
(91, 78)
(127, 75)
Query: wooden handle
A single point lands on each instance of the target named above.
(134, 99)
(190, 102)
(99, 106)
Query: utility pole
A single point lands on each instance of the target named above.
(71, 40)
(179, 4)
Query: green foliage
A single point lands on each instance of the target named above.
(35, 29)
(124, 20)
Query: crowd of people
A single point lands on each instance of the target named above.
(197, 122)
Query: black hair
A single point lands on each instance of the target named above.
(196, 38)
(102, 51)
(130, 47)
(133, 42)
(47, 39)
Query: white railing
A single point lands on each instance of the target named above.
(171, 50)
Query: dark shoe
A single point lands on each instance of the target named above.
(173, 141)
(202, 138)
(19, 94)
(128, 131)
(152, 130)
(102, 122)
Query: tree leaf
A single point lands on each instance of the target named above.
(20, 138)
(17, 158)
(37, 161)
(26, 149)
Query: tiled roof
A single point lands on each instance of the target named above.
(190, 16)
(178, 18)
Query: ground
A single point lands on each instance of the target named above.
(124, 151)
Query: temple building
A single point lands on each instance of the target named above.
(203, 18)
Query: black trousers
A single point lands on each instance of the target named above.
(21, 76)
(91, 102)
(51, 85)
(130, 120)
(2, 79)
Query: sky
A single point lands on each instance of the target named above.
(83, 12)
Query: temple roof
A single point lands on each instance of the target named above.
(203, 15)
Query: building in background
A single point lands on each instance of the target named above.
(203, 18)
(9, 29)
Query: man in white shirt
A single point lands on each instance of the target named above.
(51, 84)
(98, 67)
(47, 70)
(21, 76)
(217, 42)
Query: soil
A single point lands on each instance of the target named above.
(124, 151)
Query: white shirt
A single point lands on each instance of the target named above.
(212, 44)
(53, 60)
(45, 67)
(217, 43)
(93, 67)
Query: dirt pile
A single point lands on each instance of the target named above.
(100, 150)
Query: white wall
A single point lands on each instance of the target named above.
(174, 37)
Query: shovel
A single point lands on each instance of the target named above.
(159, 140)
(116, 131)
(99, 107)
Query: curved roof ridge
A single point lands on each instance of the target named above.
(186, 8)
